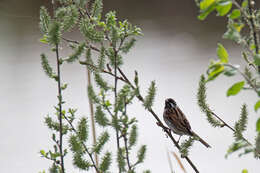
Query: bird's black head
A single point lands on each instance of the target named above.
(170, 103)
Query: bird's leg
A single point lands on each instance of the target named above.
(179, 139)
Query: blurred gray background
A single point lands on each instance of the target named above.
(175, 50)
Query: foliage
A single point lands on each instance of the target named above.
(106, 39)
(242, 28)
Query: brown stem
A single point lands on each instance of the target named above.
(60, 110)
(244, 76)
(125, 140)
(76, 42)
(127, 153)
(228, 126)
(159, 122)
(115, 97)
(103, 71)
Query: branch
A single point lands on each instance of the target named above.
(76, 42)
(127, 153)
(244, 76)
(159, 122)
(83, 144)
(60, 110)
(251, 19)
(250, 22)
(115, 97)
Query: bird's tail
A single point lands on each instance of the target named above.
(201, 140)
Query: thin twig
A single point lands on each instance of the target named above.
(125, 140)
(127, 153)
(159, 122)
(251, 19)
(76, 42)
(60, 110)
(115, 98)
(244, 76)
(228, 126)
(83, 144)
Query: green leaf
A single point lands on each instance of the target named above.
(207, 11)
(222, 53)
(83, 129)
(44, 39)
(106, 162)
(216, 70)
(229, 72)
(46, 66)
(149, 99)
(244, 3)
(75, 56)
(235, 89)
(44, 20)
(257, 105)
(100, 117)
(97, 8)
(257, 59)
(244, 171)
(258, 125)
(224, 7)
(133, 136)
(141, 154)
(205, 4)
(42, 152)
(102, 139)
(235, 14)
(185, 146)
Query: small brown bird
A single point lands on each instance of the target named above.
(177, 122)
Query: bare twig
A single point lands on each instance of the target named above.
(127, 153)
(76, 42)
(115, 98)
(60, 110)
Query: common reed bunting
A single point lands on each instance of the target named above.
(177, 121)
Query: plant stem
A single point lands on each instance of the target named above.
(127, 153)
(251, 23)
(84, 145)
(60, 110)
(159, 122)
(244, 76)
(125, 140)
(228, 126)
(115, 97)
(125, 79)
(251, 19)
(92, 115)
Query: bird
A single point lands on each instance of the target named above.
(177, 121)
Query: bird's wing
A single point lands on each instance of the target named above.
(183, 118)
(174, 118)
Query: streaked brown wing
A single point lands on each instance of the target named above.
(183, 118)
(174, 118)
